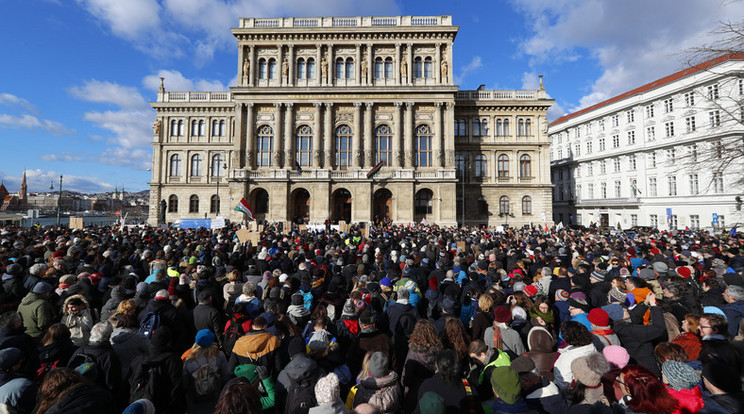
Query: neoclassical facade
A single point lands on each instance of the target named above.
(321, 101)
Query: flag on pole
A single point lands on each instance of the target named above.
(374, 170)
(297, 167)
(244, 208)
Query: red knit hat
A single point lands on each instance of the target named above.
(684, 271)
(530, 290)
(598, 317)
(502, 314)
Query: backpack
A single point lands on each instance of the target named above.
(233, 331)
(404, 326)
(307, 298)
(207, 381)
(149, 324)
(80, 359)
(300, 396)
(145, 384)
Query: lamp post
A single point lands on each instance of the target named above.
(59, 197)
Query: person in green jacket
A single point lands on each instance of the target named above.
(36, 311)
(251, 373)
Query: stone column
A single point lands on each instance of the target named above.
(370, 65)
(408, 142)
(289, 147)
(369, 157)
(328, 137)
(278, 141)
(250, 139)
(396, 65)
(331, 66)
(438, 138)
(358, 64)
(241, 57)
(409, 52)
(397, 138)
(240, 143)
(316, 135)
(356, 138)
(436, 65)
(449, 138)
(318, 62)
(252, 68)
(450, 61)
(291, 63)
(280, 59)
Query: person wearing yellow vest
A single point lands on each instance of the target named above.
(483, 359)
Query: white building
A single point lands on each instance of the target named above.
(659, 155)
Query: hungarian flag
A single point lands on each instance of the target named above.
(374, 170)
(244, 208)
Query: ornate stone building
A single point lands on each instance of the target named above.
(321, 101)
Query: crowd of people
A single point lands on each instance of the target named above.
(390, 320)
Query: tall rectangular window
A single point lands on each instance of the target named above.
(694, 188)
(634, 220)
(713, 92)
(673, 224)
(650, 133)
(672, 183)
(602, 144)
(602, 167)
(616, 164)
(715, 118)
(630, 116)
(650, 111)
(632, 164)
(690, 99)
(718, 183)
(653, 220)
(588, 147)
(631, 137)
(615, 120)
(652, 190)
(603, 190)
(615, 141)
(668, 105)
(601, 125)
(618, 189)
(694, 221)
(671, 155)
(690, 123)
(590, 191)
(669, 129)
(652, 159)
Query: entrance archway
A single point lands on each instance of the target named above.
(422, 205)
(259, 203)
(341, 205)
(382, 205)
(300, 206)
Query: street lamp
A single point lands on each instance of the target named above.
(59, 197)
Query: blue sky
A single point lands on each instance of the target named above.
(77, 75)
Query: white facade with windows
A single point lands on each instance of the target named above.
(669, 173)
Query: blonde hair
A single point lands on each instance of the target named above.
(485, 302)
(127, 306)
(209, 352)
(233, 276)
(364, 373)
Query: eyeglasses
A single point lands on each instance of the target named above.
(705, 326)
(619, 381)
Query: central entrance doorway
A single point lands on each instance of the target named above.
(382, 205)
(341, 202)
(300, 206)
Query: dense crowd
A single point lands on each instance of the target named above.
(404, 320)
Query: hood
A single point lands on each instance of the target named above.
(301, 367)
(119, 293)
(540, 340)
(30, 298)
(376, 383)
(86, 305)
(121, 335)
(298, 310)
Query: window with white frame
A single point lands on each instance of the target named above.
(668, 105)
(692, 153)
(690, 123)
(601, 125)
(476, 127)
(577, 150)
(690, 99)
(630, 114)
(653, 220)
(632, 164)
(722, 221)
(717, 148)
(588, 147)
(590, 191)
(560, 154)
(650, 133)
(615, 120)
(713, 92)
(671, 155)
(650, 111)
(673, 222)
(672, 185)
(588, 128)
(615, 141)
(669, 129)
(590, 169)
(693, 180)
(715, 118)
(631, 137)
(652, 159)
(602, 167)
(578, 192)
(603, 190)
(616, 164)
(652, 189)
(618, 189)
(602, 144)
(634, 220)
(694, 221)
(577, 132)
(718, 183)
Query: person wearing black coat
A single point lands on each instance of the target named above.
(207, 317)
(12, 335)
(169, 316)
(169, 389)
(100, 351)
(640, 339)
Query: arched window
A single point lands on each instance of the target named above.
(272, 68)
(417, 67)
(304, 146)
(422, 204)
(423, 146)
(525, 166)
(378, 67)
(427, 67)
(499, 131)
(194, 204)
(461, 128)
(265, 137)
(214, 204)
(200, 131)
(476, 128)
(503, 166)
(175, 165)
(481, 166)
(173, 203)
(180, 128)
(506, 127)
(261, 205)
(343, 146)
(310, 68)
(300, 68)
(484, 126)
(388, 67)
(217, 163)
(460, 165)
(520, 127)
(526, 205)
(196, 165)
(174, 128)
(383, 147)
(262, 69)
(504, 205)
(528, 127)
(339, 68)
(349, 68)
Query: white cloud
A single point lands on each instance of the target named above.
(530, 81)
(176, 81)
(474, 64)
(63, 156)
(107, 92)
(632, 41)
(130, 128)
(137, 158)
(27, 121)
(13, 101)
(38, 180)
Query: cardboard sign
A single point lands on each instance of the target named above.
(460, 246)
(254, 237)
(303, 228)
(343, 227)
(218, 223)
(365, 232)
(76, 223)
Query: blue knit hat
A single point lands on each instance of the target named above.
(679, 375)
(204, 338)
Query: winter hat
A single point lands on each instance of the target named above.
(684, 271)
(88, 370)
(616, 355)
(349, 308)
(679, 375)
(523, 364)
(614, 312)
(142, 287)
(283, 278)
(37, 269)
(646, 274)
(378, 365)
(296, 346)
(385, 281)
(578, 295)
(519, 314)
(41, 288)
(247, 371)
(660, 267)
(599, 275)
(142, 406)
(328, 389)
(449, 305)
(297, 299)
(561, 295)
(9, 357)
(589, 369)
(722, 376)
(14, 269)
(579, 304)
(598, 317)
(519, 286)
(502, 314)
(204, 338)
(67, 280)
(505, 382)
(319, 341)
(530, 290)
(162, 294)
(617, 295)
(432, 403)
(161, 337)
(715, 310)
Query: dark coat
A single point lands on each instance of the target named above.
(85, 399)
(481, 322)
(598, 294)
(734, 313)
(455, 398)
(16, 338)
(370, 341)
(170, 317)
(640, 339)
(207, 317)
(109, 367)
(173, 402)
(418, 367)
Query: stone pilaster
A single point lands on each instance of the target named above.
(291, 61)
(278, 141)
(317, 152)
(408, 142)
(438, 137)
(328, 137)
(369, 114)
(252, 69)
(240, 141)
(397, 137)
(356, 139)
(396, 65)
(409, 53)
(289, 147)
(250, 137)
(437, 63)
(358, 66)
(370, 64)
(449, 138)
(242, 76)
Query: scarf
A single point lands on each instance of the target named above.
(547, 316)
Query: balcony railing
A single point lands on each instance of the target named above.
(197, 97)
(493, 95)
(358, 21)
(356, 174)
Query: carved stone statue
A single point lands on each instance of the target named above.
(285, 69)
(246, 70)
(445, 68)
(364, 69)
(324, 68)
(404, 69)
(156, 127)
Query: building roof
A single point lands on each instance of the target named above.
(653, 85)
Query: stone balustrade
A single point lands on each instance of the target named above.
(359, 21)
